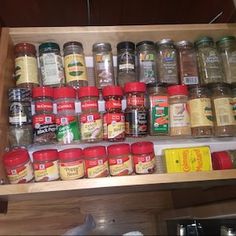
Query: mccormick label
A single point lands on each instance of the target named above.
(65, 106)
(113, 104)
(134, 100)
(121, 166)
(43, 106)
(87, 105)
(144, 164)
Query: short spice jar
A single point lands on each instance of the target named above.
(18, 166)
(223, 160)
(71, 164)
(45, 163)
(143, 157)
(120, 159)
(96, 162)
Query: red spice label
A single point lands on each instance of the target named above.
(65, 106)
(43, 106)
(135, 100)
(121, 166)
(65, 120)
(113, 104)
(144, 164)
(89, 105)
(43, 119)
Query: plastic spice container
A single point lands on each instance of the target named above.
(224, 160)
(51, 65)
(223, 109)
(179, 114)
(126, 62)
(96, 162)
(187, 58)
(74, 61)
(90, 119)
(200, 112)
(71, 164)
(66, 119)
(143, 157)
(44, 120)
(146, 62)
(234, 101)
(45, 163)
(113, 119)
(103, 65)
(209, 61)
(158, 111)
(120, 159)
(227, 48)
(18, 166)
(26, 68)
(20, 130)
(167, 62)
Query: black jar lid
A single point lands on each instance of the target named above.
(72, 44)
(125, 45)
(19, 94)
(146, 42)
(48, 46)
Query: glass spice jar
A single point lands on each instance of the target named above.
(136, 124)
(26, 68)
(200, 112)
(74, 61)
(113, 119)
(103, 65)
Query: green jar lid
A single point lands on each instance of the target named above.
(48, 46)
(225, 39)
(204, 39)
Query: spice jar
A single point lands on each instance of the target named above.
(223, 109)
(26, 68)
(179, 114)
(90, 119)
(234, 100)
(74, 61)
(51, 65)
(209, 61)
(200, 112)
(71, 164)
(227, 48)
(66, 119)
(158, 111)
(103, 65)
(45, 163)
(120, 159)
(113, 119)
(143, 157)
(125, 62)
(146, 62)
(44, 120)
(135, 114)
(167, 62)
(96, 162)
(18, 166)
(20, 119)
(224, 160)
(187, 58)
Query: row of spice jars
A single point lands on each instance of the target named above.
(75, 163)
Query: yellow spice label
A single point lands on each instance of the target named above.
(98, 171)
(124, 168)
(72, 170)
(144, 167)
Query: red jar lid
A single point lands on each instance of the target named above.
(72, 153)
(42, 92)
(15, 157)
(221, 160)
(24, 48)
(112, 91)
(135, 87)
(118, 149)
(88, 91)
(177, 90)
(64, 92)
(95, 151)
(45, 155)
(142, 147)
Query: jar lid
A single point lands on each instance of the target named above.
(125, 45)
(64, 92)
(142, 147)
(177, 90)
(71, 153)
(95, 151)
(184, 43)
(88, 91)
(24, 47)
(101, 46)
(48, 46)
(15, 157)
(72, 44)
(45, 155)
(135, 87)
(146, 42)
(221, 160)
(204, 39)
(112, 91)
(42, 92)
(118, 149)
(19, 94)
(165, 41)
(225, 39)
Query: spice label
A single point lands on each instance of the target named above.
(46, 171)
(96, 168)
(87, 105)
(159, 114)
(144, 164)
(113, 104)
(126, 62)
(179, 115)
(26, 70)
(71, 170)
(23, 174)
(75, 68)
(200, 112)
(43, 106)
(224, 111)
(121, 166)
(234, 107)
(134, 100)
(61, 106)
(67, 129)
